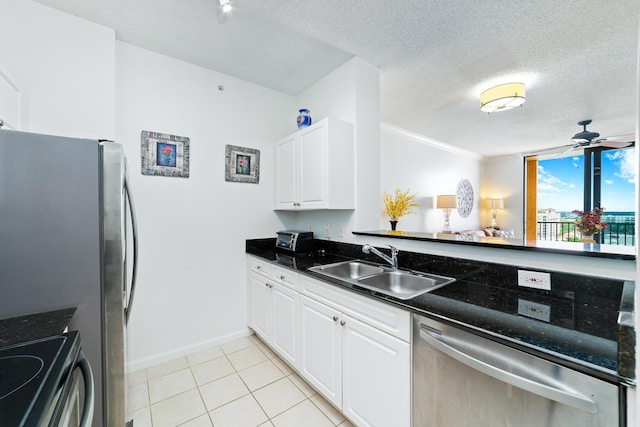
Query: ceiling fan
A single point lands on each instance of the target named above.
(588, 139)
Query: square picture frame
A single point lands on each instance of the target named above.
(164, 155)
(242, 164)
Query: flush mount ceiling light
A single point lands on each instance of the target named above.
(225, 5)
(502, 97)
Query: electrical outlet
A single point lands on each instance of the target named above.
(340, 232)
(534, 309)
(534, 279)
(327, 229)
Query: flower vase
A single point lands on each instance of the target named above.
(304, 118)
(587, 238)
(393, 225)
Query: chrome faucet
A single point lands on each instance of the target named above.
(393, 259)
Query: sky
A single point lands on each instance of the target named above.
(560, 182)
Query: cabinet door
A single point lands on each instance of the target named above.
(321, 348)
(260, 306)
(284, 327)
(285, 192)
(312, 146)
(376, 376)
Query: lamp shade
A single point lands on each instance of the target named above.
(502, 97)
(496, 203)
(447, 201)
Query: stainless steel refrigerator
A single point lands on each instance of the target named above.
(65, 216)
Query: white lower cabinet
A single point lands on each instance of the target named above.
(321, 352)
(260, 306)
(273, 309)
(284, 331)
(376, 376)
(353, 350)
(360, 369)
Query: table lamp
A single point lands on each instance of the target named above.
(447, 202)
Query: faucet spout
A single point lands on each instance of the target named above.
(393, 259)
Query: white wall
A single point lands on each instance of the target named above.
(65, 68)
(427, 168)
(350, 93)
(192, 277)
(503, 178)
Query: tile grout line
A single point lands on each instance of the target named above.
(254, 343)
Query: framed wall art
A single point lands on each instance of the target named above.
(164, 155)
(242, 164)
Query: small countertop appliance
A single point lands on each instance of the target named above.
(295, 241)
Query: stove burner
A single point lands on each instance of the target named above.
(27, 368)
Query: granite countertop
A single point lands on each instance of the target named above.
(570, 248)
(34, 326)
(580, 329)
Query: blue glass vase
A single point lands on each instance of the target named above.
(304, 118)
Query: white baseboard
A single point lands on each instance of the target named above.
(135, 365)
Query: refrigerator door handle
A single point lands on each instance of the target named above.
(134, 232)
(89, 390)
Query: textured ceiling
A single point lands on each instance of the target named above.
(578, 58)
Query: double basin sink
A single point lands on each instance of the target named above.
(401, 284)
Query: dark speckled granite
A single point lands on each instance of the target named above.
(582, 331)
(34, 326)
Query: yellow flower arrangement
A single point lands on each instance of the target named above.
(399, 204)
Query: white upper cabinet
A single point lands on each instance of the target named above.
(315, 168)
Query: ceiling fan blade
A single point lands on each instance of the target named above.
(628, 138)
(619, 141)
(554, 151)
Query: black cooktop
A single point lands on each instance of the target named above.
(31, 374)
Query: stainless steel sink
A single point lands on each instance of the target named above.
(401, 284)
(348, 270)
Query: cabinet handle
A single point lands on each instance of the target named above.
(342, 323)
(335, 318)
(259, 267)
(282, 277)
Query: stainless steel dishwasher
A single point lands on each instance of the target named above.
(461, 379)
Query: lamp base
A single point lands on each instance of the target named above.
(446, 228)
(493, 223)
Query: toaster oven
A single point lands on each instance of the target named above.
(295, 241)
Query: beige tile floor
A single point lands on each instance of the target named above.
(238, 384)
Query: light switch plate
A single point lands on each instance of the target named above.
(534, 279)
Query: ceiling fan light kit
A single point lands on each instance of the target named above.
(502, 97)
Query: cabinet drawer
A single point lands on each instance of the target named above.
(286, 277)
(261, 267)
(391, 320)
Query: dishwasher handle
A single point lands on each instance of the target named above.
(567, 397)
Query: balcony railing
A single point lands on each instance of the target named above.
(615, 233)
